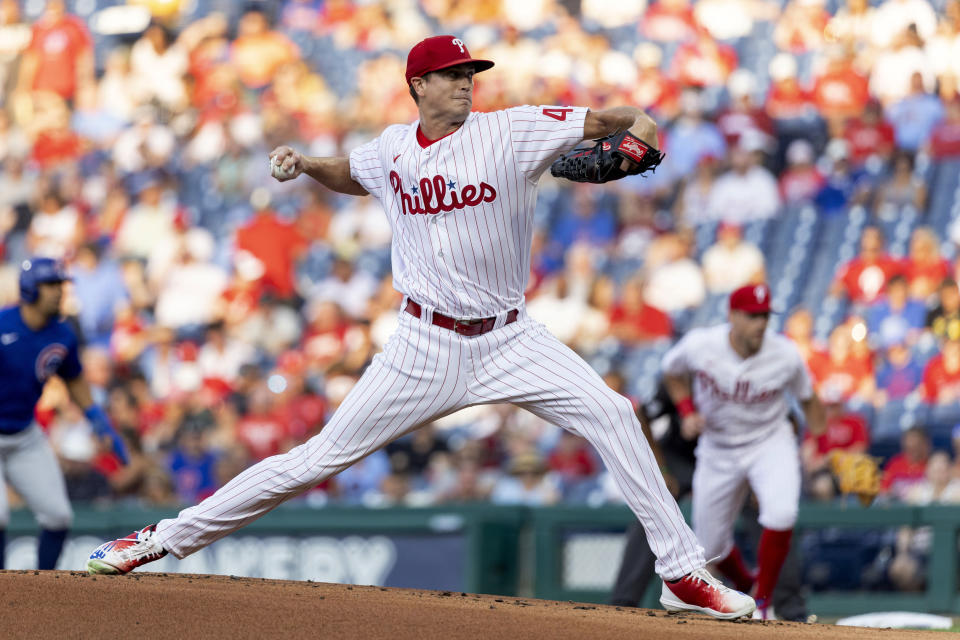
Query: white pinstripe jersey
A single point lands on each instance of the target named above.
(461, 209)
(742, 400)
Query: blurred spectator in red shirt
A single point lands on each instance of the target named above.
(846, 431)
(801, 181)
(801, 26)
(908, 467)
(572, 458)
(941, 377)
(59, 58)
(799, 328)
(743, 115)
(864, 278)
(870, 135)
(703, 62)
(840, 92)
(669, 21)
(260, 430)
(633, 321)
(210, 70)
(945, 140)
(324, 341)
(786, 99)
(335, 13)
(55, 144)
(843, 372)
(130, 336)
(258, 51)
(924, 267)
(275, 242)
(302, 411)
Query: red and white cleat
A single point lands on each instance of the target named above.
(699, 591)
(126, 554)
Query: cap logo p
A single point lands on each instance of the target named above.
(760, 293)
(459, 43)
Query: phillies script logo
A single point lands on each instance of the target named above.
(436, 195)
(742, 393)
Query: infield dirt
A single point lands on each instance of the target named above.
(61, 604)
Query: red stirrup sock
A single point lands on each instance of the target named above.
(774, 546)
(734, 568)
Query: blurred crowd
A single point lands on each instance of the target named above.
(225, 315)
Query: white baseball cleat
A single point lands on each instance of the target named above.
(126, 554)
(700, 592)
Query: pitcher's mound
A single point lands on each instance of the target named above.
(60, 604)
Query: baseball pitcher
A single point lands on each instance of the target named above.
(459, 189)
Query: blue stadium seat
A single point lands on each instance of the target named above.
(863, 409)
(706, 235)
(756, 232)
(924, 349)
(943, 417)
(887, 425)
(316, 263)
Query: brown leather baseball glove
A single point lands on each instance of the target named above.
(856, 473)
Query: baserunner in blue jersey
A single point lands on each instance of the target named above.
(35, 344)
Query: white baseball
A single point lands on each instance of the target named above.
(278, 172)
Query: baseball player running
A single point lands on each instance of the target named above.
(34, 345)
(739, 377)
(459, 189)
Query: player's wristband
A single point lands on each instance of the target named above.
(102, 428)
(98, 420)
(685, 407)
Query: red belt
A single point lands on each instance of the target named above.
(475, 327)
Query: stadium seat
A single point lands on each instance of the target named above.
(887, 425)
(943, 417)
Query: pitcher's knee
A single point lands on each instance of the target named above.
(780, 517)
(618, 408)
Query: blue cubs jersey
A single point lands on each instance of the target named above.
(27, 359)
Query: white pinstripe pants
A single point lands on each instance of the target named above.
(426, 372)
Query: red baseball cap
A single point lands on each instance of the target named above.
(753, 298)
(440, 52)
